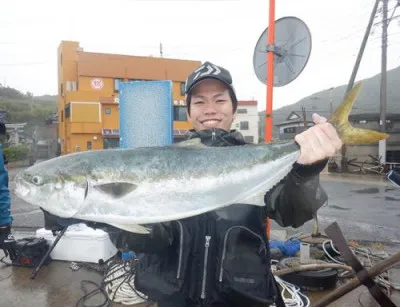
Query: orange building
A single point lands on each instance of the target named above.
(88, 86)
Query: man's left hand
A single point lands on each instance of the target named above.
(319, 142)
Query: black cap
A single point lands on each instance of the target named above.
(206, 71)
(211, 71)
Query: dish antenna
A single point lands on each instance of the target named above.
(292, 50)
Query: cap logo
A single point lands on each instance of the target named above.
(206, 70)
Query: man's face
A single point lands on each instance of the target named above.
(211, 106)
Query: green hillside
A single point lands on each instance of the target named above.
(25, 108)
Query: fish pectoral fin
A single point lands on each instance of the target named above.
(133, 228)
(116, 189)
(255, 200)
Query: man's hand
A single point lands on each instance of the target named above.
(7, 242)
(318, 142)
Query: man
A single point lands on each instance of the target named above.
(7, 241)
(221, 258)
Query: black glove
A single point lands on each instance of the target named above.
(7, 242)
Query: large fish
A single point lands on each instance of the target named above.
(127, 188)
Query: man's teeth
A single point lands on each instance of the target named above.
(210, 122)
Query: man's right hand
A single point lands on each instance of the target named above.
(7, 242)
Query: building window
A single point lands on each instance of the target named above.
(244, 125)
(242, 111)
(111, 143)
(89, 145)
(116, 84)
(107, 111)
(363, 121)
(289, 130)
(180, 114)
(249, 138)
(68, 111)
(183, 88)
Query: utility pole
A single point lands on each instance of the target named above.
(330, 101)
(161, 51)
(350, 85)
(385, 23)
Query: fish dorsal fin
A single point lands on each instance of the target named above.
(195, 143)
(116, 189)
(133, 228)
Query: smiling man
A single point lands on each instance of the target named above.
(221, 258)
(211, 106)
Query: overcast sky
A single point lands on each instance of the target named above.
(221, 31)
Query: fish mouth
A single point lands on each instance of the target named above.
(22, 187)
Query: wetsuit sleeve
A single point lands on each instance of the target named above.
(297, 197)
(5, 200)
(160, 237)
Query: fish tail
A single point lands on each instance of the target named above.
(347, 133)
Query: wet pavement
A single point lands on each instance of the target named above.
(367, 208)
(55, 285)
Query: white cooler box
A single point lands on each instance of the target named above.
(80, 243)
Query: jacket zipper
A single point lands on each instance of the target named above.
(224, 247)
(213, 135)
(203, 286)
(178, 273)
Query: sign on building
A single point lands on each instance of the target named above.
(110, 132)
(97, 83)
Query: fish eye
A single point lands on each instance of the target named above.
(37, 180)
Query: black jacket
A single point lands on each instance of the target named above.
(221, 258)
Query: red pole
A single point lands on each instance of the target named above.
(270, 72)
(270, 83)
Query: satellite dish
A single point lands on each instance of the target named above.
(292, 48)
